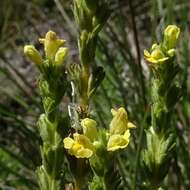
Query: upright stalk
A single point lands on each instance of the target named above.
(52, 84)
(165, 93)
(90, 17)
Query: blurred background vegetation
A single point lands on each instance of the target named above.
(133, 26)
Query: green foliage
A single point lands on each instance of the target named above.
(157, 157)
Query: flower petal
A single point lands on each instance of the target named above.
(130, 125)
(119, 122)
(68, 142)
(116, 142)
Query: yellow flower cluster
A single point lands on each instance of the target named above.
(52, 47)
(159, 53)
(83, 145)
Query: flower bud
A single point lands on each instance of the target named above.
(171, 35)
(171, 52)
(97, 145)
(33, 54)
(60, 55)
(89, 128)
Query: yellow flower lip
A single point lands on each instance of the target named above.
(116, 141)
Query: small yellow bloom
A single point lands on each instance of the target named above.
(120, 123)
(119, 130)
(51, 44)
(155, 55)
(60, 55)
(171, 35)
(33, 54)
(116, 141)
(89, 128)
(80, 146)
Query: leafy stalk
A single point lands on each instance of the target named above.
(52, 85)
(165, 93)
(90, 17)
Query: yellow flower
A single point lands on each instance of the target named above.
(80, 146)
(33, 54)
(155, 55)
(119, 130)
(171, 35)
(120, 123)
(89, 128)
(51, 44)
(116, 142)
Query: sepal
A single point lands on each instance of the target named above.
(157, 156)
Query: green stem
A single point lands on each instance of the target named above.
(53, 181)
(123, 170)
(84, 100)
